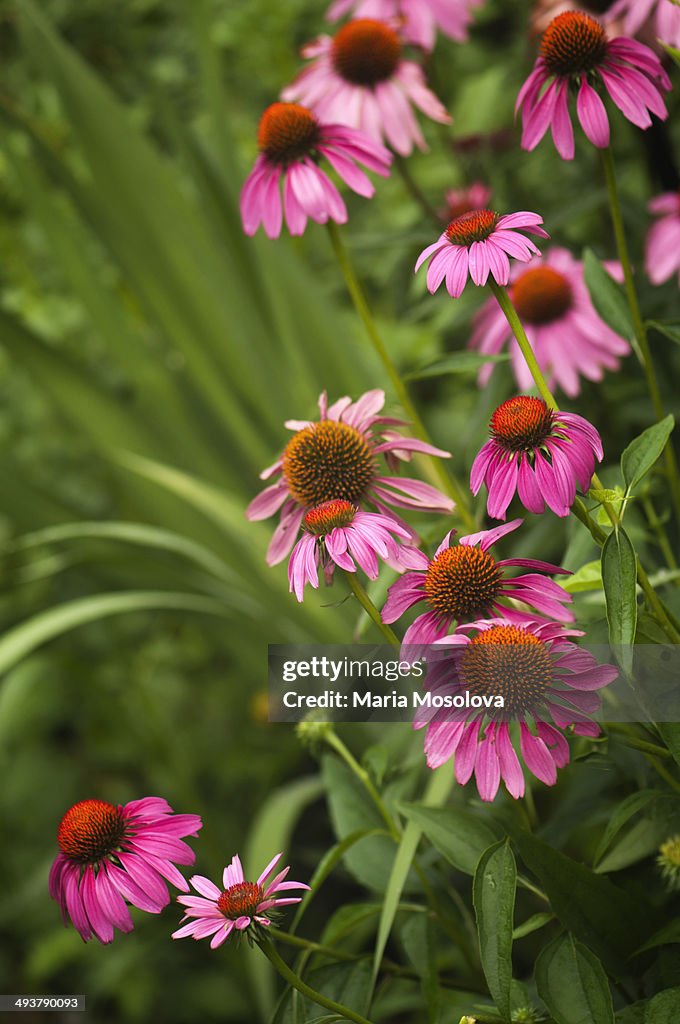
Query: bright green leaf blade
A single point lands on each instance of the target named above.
(619, 576)
(459, 836)
(33, 632)
(493, 894)
(572, 983)
(532, 924)
(643, 451)
(437, 790)
(623, 813)
(606, 296)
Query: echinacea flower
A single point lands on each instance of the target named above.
(545, 10)
(419, 19)
(546, 683)
(292, 140)
(664, 16)
(240, 905)
(336, 458)
(339, 533)
(464, 582)
(360, 78)
(662, 246)
(479, 243)
(462, 200)
(575, 54)
(112, 854)
(540, 453)
(567, 336)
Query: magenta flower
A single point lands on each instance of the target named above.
(292, 141)
(575, 53)
(662, 246)
(240, 905)
(419, 19)
(568, 337)
(542, 677)
(478, 243)
(336, 459)
(540, 453)
(360, 78)
(339, 533)
(464, 582)
(663, 14)
(112, 854)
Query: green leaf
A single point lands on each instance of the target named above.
(417, 936)
(672, 51)
(438, 789)
(609, 920)
(606, 494)
(670, 331)
(623, 813)
(33, 632)
(457, 363)
(666, 936)
(619, 577)
(670, 734)
(588, 577)
(345, 983)
(326, 865)
(607, 296)
(572, 983)
(493, 895)
(533, 924)
(664, 1007)
(643, 451)
(459, 836)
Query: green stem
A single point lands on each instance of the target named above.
(661, 536)
(415, 192)
(639, 328)
(292, 979)
(511, 315)
(445, 479)
(370, 609)
(578, 508)
(366, 781)
(661, 770)
(632, 740)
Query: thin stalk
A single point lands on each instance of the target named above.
(292, 979)
(366, 781)
(661, 536)
(636, 316)
(370, 609)
(416, 193)
(445, 479)
(578, 508)
(661, 770)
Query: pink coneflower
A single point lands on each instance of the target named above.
(543, 678)
(291, 141)
(339, 533)
(568, 337)
(110, 854)
(239, 905)
(360, 78)
(464, 582)
(337, 459)
(463, 200)
(479, 243)
(662, 246)
(664, 16)
(545, 10)
(575, 53)
(540, 453)
(419, 19)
